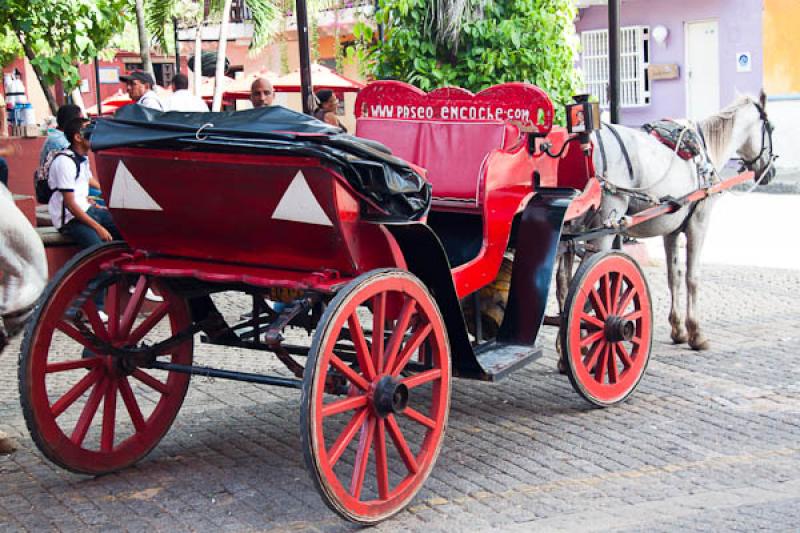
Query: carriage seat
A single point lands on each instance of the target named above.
(453, 153)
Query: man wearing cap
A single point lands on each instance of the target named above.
(140, 89)
(261, 93)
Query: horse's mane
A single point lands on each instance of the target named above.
(718, 129)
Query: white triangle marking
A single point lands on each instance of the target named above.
(127, 193)
(300, 205)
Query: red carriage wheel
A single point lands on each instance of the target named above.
(88, 411)
(376, 395)
(606, 331)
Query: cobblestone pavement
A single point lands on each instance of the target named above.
(710, 441)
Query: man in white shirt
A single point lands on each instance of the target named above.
(182, 99)
(140, 89)
(70, 209)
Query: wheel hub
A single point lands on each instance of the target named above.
(390, 397)
(619, 329)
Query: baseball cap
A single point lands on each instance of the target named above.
(138, 75)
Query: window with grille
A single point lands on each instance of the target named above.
(634, 61)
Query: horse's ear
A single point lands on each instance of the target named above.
(762, 99)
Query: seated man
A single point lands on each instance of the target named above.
(56, 140)
(69, 206)
(261, 93)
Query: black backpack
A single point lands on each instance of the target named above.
(42, 173)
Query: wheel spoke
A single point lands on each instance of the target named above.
(362, 350)
(592, 321)
(378, 320)
(98, 327)
(381, 464)
(76, 335)
(63, 403)
(129, 398)
(612, 363)
(150, 381)
(346, 437)
(616, 285)
(148, 323)
(595, 352)
(109, 417)
(133, 307)
(113, 296)
(399, 333)
(627, 298)
(593, 338)
(422, 378)
(597, 303)
(624, 356)
(605, 283)
(349, 373)
(89, 363)
(354, 402)
(362, 456)
(411, 346)
(600, 367)
(401, 444)
(636, 315)
(89, 410)
(416, 416)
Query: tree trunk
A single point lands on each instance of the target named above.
(48, 94)
(221, 49)
(144, 39)
(198, 59)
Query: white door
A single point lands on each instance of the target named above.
(702, 68)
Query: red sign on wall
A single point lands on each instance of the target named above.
(521, 104)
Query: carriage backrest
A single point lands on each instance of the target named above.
(451, 132)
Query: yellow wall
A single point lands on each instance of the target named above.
(782, 46)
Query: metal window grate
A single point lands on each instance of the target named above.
(635, 52)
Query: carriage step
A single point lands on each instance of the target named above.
(498, 360)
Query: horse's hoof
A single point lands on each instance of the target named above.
(7, 444)
(699, 345)
(562, 366)
(679, 339)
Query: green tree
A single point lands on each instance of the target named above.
(475, 44)
(55, 36)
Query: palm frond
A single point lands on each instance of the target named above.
(446, 19)
(266, 18)
(157, 14)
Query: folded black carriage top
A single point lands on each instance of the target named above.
(368, 165)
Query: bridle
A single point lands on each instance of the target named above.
(766, 134)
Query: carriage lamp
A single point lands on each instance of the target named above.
(583, 116)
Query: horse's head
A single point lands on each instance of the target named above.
(756, 152)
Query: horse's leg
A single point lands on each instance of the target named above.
(674, 281)
(566, 262)
(695, 236)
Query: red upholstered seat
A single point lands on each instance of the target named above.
(452, 152)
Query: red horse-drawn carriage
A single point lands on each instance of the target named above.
(330, 234)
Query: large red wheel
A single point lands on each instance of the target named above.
(607, 328)
(376, 395)
(64, 383)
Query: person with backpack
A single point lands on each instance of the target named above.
(56, 140)
(68, 178)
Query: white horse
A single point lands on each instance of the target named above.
(23, 268)
(742, 129)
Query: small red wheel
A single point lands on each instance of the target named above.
(607, 328)
(381, 346)
(63, 383)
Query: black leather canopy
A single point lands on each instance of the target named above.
(368, 166)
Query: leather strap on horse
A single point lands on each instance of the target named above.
(624, 150)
